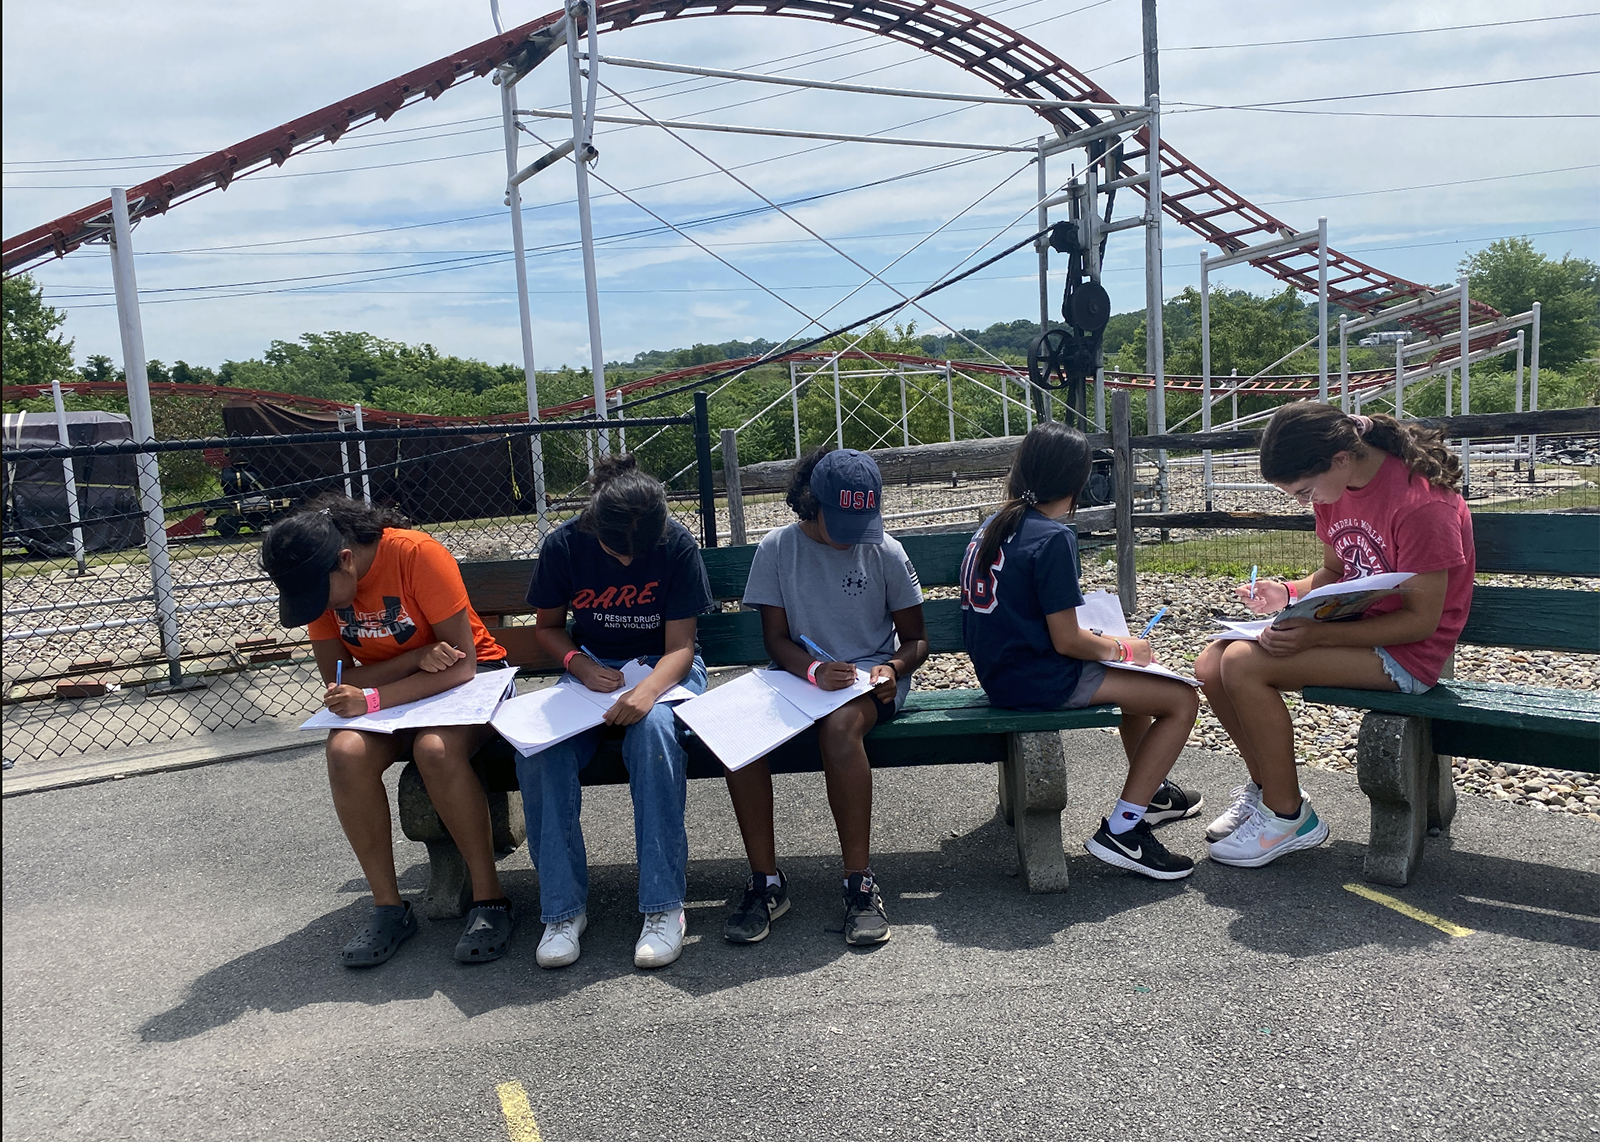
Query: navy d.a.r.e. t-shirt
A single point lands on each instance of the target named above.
(619, 612)
(1003, 613)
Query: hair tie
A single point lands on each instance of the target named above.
(1030, 498)
(1363, 423)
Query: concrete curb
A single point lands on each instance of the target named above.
(161, 757)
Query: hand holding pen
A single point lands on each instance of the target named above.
(830, 675)
(595, 675)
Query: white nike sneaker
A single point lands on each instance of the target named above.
(1266, 836)
(1243, 800)
(661, 941)
(559, 946)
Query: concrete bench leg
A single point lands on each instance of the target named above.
(449, 891)
(1033, 792)
(1399, 773)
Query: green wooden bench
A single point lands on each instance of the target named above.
(1403, 756)
(936, 727)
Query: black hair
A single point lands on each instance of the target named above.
(1052, 462)
(799, 496)
(627, 508)
(1303, 438)
(296, 538)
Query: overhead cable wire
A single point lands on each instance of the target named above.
(1384, 94)
(1378, 35)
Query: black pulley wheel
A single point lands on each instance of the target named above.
(1047, 357)
(1091, 307)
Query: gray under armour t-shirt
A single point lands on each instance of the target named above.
(841, 600)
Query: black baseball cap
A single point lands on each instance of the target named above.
(298, 553)
(848, 488)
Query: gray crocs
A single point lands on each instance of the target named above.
(381, 937)
(487, 935)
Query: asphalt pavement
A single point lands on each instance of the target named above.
(170, 973)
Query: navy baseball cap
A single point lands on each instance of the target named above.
(849, 488)
(299, 553)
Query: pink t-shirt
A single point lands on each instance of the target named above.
(1401, 522)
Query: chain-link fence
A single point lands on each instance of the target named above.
(105, 646)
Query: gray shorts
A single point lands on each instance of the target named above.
(1089, 681)
(1402, 677)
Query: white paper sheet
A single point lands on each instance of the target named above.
(810, 700)
(1250, 630)
(742, 720)
(1102, 610)
(470, 704)
(1348, 599)
(633, 673)
(537, 721)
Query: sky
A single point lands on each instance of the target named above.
(400, 229)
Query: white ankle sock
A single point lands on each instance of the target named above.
(773, 881)
(1125, 816)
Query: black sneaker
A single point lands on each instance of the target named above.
(864, 919)
(762, 904)
(1172, 803)
(1137, 850)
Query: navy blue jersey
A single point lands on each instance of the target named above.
(1003, 613)
(617, 611)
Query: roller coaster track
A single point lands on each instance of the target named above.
(1011, 63)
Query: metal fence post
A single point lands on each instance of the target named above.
(730, 480)
(139, 412)
(69, 476)
(708, 488)
(1122, 474)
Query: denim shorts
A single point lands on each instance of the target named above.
(1402, 677)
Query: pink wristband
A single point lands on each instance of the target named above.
(371, 695)
(811, 672)
(1290, 591)
(566, 660)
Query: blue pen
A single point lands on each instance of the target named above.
(338, 673)
(590, 655)
(1253, 582)
(815, 649)
(1151, 625)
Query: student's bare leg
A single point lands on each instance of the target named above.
(1255, 680)
(443, 755)
(750, 790)
(356, 762)
(1208, 669)
(849, 776)
(1132, 731)
(1170, 708)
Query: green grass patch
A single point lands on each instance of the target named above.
(1274, 553)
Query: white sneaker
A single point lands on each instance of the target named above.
(559, 946)
(661, 942)
(1244, 799)
(1266, 836)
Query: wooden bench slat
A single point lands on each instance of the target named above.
(1534, 618)
(1569, 713)
(1537, 543)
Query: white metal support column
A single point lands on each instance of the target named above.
(1043, 243)
(1533, 388)
(1156, 343)
(1466, 384)
(361, 456)
(69, 474)
(838, 408)
(1322, 310)
(905, 426)
(138, 381)
(508, 112)
(1205, 367)
(950, 399)
(1399, 379)
(794, 405)
(1005, 405)
(1516, 441)
(1344, 364)
(582, 153)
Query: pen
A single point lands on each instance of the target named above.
(1253, 582)
(1151, 625)
(814, 648)
(590, 655)
(338, 673)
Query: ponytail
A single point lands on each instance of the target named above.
(1052, 462)
(357, 522)
(1303, 438)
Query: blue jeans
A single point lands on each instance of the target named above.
(552, 800)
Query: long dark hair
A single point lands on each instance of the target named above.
(1303, 438)
(1051, 462)
(295, 538)
(799, 496)
(627, 509)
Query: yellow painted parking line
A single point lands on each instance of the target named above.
(520, 1124)
(1405, 909)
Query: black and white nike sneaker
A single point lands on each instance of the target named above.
(1137, 850)
(1172, 803)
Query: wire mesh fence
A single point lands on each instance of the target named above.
(105, 646)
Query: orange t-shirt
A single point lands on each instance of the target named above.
(413, 583)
